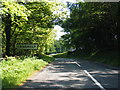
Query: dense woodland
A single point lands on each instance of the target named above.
(93, 26)
(30, 22)
(90, 26)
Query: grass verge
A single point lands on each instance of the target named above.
(60, 55)
(46, 58)
(106, 57)
(15, 71)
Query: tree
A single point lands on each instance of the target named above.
(30, 22)
(10, 11)
(92, 26)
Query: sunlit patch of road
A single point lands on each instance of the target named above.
(72, 73)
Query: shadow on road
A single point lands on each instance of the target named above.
(66, 74)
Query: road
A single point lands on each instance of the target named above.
(77, 74)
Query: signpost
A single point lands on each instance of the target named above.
(31, 47)
(26, 46)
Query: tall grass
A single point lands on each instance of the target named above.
(15, 71)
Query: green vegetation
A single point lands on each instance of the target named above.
(46, 58)
(111, 58)
(30, 22)
(93, 26)
(60, 55)
(93, 30)
(17, 70)
(108, 57)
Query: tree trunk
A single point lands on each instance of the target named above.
(8, 34)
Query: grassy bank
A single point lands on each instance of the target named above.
(106, 57)
(61, 55)
(47, 58)
(110, 58)
(17, 70)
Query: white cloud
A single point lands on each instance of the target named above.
(59, 32)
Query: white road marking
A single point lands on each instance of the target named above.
(94, 80)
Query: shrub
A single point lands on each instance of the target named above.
(15, 71)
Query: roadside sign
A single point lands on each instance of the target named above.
(26, 46)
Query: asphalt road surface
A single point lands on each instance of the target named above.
(75, 73)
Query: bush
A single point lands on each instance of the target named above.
(15, 71)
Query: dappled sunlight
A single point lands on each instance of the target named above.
(33, 34)
(61, 75)
(105, 74)
(64, 73)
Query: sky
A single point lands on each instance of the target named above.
(59, 32)
(73, 1)
(59, 29)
